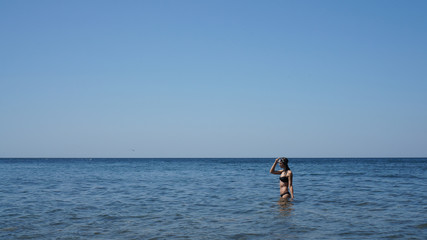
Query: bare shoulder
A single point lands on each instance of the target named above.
(290, 173)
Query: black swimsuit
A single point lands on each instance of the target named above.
(285, 180)
(281, 195)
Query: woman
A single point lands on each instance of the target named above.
(285, 177)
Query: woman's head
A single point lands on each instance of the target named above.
(283, 163)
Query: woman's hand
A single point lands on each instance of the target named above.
(272, 170)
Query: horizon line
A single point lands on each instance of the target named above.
(198, 157)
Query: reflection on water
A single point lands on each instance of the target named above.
(286, 206)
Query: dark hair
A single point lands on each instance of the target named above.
(285, 162)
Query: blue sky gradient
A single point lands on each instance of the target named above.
(213, 78)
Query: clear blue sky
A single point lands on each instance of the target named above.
(213, 78)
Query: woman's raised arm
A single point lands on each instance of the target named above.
(273, 168)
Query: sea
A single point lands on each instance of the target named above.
(209, 198)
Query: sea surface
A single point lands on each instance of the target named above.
(212, 199)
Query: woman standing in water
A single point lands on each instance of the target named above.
(285, 177)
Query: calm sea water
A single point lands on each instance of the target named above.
(211, 199)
